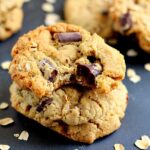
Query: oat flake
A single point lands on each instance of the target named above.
(3, 105)
(51, 19)
(131, 72)
(135, 79)
(24, 136)
(144, 143)
(47, 7)
(5, 65)
(16, 135)
(132, 53)
(51, 1)
(119, 147)
(4, 147)
(147, 67)
(6, 121)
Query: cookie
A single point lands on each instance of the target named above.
(78, 113)
(49, 57)
(11, 17)
(132, 17)
(92, 15)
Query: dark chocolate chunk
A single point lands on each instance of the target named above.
(53, 75)
(89, 72)
(43, 103)
(126, 21)
(68, 37)
(28, 108)
(52, 70)
(92, 59)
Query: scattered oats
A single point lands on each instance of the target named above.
(51, 19)
(131, 72)
(24, 136)
(26, 1)
(4, 147)
(119, 147)
(144, 143)
(5, 64)
(47, 7)
(135, 79)
(112, 41)
(6, 121)
(132, 53)
(147, 66)
(146, 138)
(51, 1)
(27, 66)
(3, 105)
(16, 135)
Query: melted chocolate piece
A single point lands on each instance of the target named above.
(53, 76)
(52, 68)
(68, 37)
(89, 72)
(43, 103)
(92, 59)
(126, 21)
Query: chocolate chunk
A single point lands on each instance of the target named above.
(28, 108)
(92, 59)
(53, 76)
(89, 72)
(43, 103)
(49, 72)
(68, 37)
(126, 21)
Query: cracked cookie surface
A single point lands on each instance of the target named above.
(73, 111)
(49, 57)
(11, 16)
(92, 15)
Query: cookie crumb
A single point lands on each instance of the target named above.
(3, 105)
(51, 19)
(47, 7)
(6, 121)
(5, 65)
(132, 53)
(131, 72)
(4, 147)
(147, 66)
(119, 147)
(24, 136)
(144, 143)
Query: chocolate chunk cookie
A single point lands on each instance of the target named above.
(73, 111)
(132, 17)
(49, 57)
(92, 15)
(11, 16)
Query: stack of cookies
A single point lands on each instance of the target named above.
(69, 80)
(11, 17)
(110, 18)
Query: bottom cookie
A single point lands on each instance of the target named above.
(80, 115)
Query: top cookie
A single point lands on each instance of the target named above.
(92, 15)
(11, 16)
(49, 57)
(132, 17)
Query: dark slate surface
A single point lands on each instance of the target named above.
(135, 124)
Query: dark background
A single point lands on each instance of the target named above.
(135, 124)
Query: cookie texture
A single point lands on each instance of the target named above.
(92, 15)
(73, 111)
(110, 18)
(11, 16)
(132, 17)
(49, 57)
